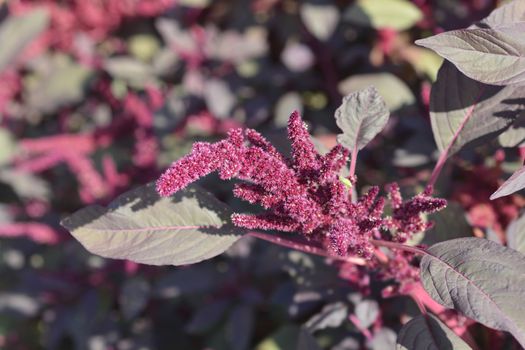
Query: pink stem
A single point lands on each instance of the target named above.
(444, 155)
(395, 245)
(305, 248)
(353, 162)
(418, 302)
(362, 329)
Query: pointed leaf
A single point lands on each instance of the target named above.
(513, 11)
(513, 184)
(491, 56)
(516, 234)
(186, 228)
(331, 316)
(361, 116)
(480, 278)
(17, 32)
(475, 111)
(428, 332)
(395, 14)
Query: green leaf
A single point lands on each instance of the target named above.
(491, 56)
(394, 91)
(475, 111)
(283, 339)
(186, 228)
(17, 32)
(320, 20)
(134, 72)
(361, 116)
(396, 14)
(7, 145)
(480, 278)
(59, 82)
(513, 184)
(428, 332)
(516, 234)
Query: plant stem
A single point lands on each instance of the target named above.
(395, 245)
(353, 162)
(444, 155)
(288, 243)
(419, 303)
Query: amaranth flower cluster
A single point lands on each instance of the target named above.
(301, 194)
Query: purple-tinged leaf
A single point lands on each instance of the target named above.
(513, 184)
(464, 111)
(428, 332)
(361, 116)
(140, 226)
(491, 56)
(480, 278)
(516, 234)
(513, 11)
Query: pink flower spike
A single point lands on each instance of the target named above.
(304, 155)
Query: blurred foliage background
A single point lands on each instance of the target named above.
(98, 96)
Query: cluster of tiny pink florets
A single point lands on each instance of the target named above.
(301, 194)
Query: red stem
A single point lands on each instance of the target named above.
(419, 303)
(396, 245)
(305, 248)
(444, 155)
(353, 162)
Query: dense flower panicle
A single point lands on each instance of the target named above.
(406, 219)
(303, 194)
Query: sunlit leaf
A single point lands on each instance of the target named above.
(516, 234)
(480, 278)
(332, 315)
(361, 116)
(396, 14)
(513, 184)
(512, 11)
(321, 20)
(186, 228)
(491, 56)
(392, 89)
